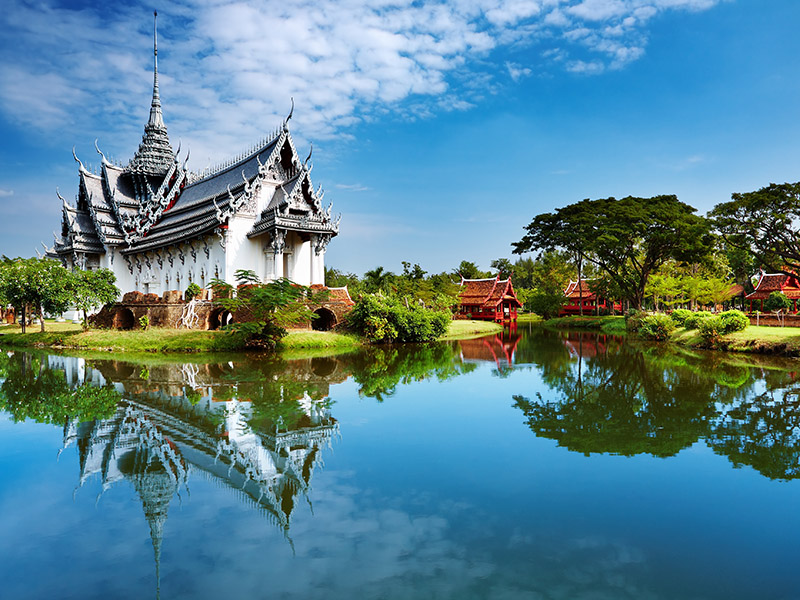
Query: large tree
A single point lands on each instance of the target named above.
(764, 223)
(627, 239)
(93, 289)
(39, 283)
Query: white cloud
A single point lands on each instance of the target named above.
(229, 67)
(6, 193)
(354, 187)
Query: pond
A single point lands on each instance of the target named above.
(532, 464)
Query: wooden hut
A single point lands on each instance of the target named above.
(489, 299)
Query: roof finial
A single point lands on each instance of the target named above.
(155, 107)
(286, 121)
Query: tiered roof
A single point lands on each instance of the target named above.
(775, 282)
(155, 202)
(487, 292)
(580, 290)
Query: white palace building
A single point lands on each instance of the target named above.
(159, 227)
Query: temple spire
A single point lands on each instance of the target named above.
(155, 155)
(156, 118)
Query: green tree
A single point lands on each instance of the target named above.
(269, 307)
(469, 270)
(93, 289)
(503, 267)
(627, 239)
(41, 284)
(378, 280)
(765, 224)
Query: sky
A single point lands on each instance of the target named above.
(439, 129)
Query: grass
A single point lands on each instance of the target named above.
(755, 339)
(303, 339)
(606, 324)
(528, 318)
(461, 329)
(155, 339)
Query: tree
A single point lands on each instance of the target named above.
(469, 270)
(271, 307)
(765, 224)
(93, 289)
(378, 280)
(627, 239)
(40, 283)
(503, 266)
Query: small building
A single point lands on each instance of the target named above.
(489, 299)
(580, 293)
(788, 284)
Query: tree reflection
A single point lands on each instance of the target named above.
(634, 398)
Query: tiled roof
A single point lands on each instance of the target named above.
(582, 289)
(775, 282)
(487, 292)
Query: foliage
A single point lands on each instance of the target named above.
(765, 224)
(627, 239)
(34, 391)
(192, 291)
(144, 322)
(92, 289)
(777, 301)
(41, 283)
(693, 320)
(679, 315)
(503, 267)
(383, 319)
(657, 327)
(734, 320)
(634, 319)
(711, 328)
(469, 270)
(271, 307)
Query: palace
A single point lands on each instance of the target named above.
(160, 227)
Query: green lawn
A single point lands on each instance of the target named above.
(461, 329)
(759, 339)
(607, 324)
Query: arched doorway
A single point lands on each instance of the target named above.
(325, 320)
(219, 318)
(123, 319)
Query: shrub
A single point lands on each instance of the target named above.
(679, 315)
(384, 319)
(711, 328)
(777, 301)
(657, 327)
(144, 322)
(192, 291)
(633, 320)
(734, 320)
(693, 320)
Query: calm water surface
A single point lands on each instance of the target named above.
(529, 465)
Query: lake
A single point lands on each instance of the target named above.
(532, 464)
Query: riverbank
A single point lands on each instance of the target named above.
(607, 324)
(778, 341)
(69, 336)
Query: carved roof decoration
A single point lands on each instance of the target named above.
(155, 202)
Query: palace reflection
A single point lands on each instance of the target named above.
(258, 429)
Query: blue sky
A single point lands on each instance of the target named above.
(440, 128)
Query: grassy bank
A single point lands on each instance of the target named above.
(68, 336)
(783, 341)
(459, 330)
(607, 324)
(528, 318)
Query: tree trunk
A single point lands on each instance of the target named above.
(41, 317)
(22, 320)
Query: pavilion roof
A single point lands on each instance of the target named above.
(487, 292)
(775, 282)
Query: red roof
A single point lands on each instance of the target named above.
(582, 289)
(487, 292)
(775, 282)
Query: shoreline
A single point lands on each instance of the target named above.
(756, 339)
(70, 337)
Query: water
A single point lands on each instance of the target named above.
(529, 465)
